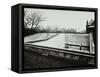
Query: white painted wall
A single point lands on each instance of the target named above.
(5, 38)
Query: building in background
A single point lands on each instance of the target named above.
(90, 28)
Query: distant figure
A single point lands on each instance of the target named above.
(80, 46)
(66, 45)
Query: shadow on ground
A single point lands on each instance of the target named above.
(33, 60)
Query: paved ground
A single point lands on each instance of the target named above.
(77, 39)
(60, 40)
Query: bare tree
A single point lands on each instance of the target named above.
(26, 18)
(33, 19)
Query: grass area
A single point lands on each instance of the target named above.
(39, 37)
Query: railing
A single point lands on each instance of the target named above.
(80, 46)
(92, 46)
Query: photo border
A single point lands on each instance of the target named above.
(54, 7)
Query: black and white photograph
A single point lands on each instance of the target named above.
(56, 38)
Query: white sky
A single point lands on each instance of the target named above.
(64, 18)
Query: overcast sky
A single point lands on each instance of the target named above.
(64, 18)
